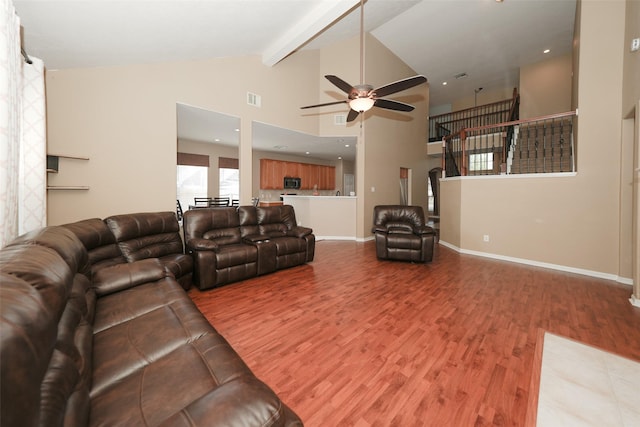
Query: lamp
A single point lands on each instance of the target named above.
(361, 104)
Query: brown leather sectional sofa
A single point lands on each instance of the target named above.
(230, 244)
(96, 330)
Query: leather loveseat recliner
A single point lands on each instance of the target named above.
(89, 339)
(401, 234)
(232, 244)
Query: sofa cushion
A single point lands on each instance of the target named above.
(131, 345)
(120, 307)
(124, 276)
(206, 380)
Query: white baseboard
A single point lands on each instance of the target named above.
(335, 238)
(584, 272)
(634, 301)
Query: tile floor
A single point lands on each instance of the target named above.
(584, 386)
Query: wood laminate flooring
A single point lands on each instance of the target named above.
(349, 340)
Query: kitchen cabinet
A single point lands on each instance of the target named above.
(273, 172)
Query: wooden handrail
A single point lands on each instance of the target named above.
(517, 122)
(511, 123)
(462, 133)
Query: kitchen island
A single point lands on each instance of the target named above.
(330, 217)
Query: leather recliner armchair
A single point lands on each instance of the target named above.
(401, 234)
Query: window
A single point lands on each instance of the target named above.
(229, 175)
(230, 183)
(480, 162)
(192, 182)
(431, 200)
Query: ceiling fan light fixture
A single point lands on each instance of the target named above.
(361, 104)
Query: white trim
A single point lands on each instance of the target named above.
(345, 238)
(634, 301)
(513, 176)
(597, 274)
(318, 238)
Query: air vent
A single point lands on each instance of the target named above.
(254, 99)
(340, 119)
(461, 75)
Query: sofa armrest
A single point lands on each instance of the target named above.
(124, 276)
(426, 230)
(200, 244)
(299, 232)
(379, 229)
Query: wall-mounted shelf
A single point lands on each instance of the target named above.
(67, 187)
(52, 161)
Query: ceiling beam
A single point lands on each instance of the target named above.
(307, 28)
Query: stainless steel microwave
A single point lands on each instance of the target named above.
(292, 183)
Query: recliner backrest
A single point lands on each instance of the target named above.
(146, 235)
(47, 307)
(248, 216)
(398, 216)
(276, 220)
(99, 242)
(220, 225)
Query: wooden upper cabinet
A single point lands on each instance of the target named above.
(273, 172)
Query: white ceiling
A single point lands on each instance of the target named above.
(487, 40)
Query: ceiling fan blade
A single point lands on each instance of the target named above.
(322, 105)
(399, 86)
(338, 82)
(393, 105)
(352, 115)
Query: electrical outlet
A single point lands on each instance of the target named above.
(635, 45)
(373, 189)
(485, 238)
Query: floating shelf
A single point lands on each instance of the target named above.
(67, 187)
(68, 157)
(52, 161)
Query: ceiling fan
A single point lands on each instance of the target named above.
(363, 96)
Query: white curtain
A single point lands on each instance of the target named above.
(22, 134)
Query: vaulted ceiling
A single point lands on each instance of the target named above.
(486, 40)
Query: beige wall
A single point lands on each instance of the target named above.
(545, 87)
(571, 221)
(124, 120)
(486, 96)
(631, 92)
(391, 140)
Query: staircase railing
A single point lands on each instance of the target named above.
(538, 145)
(495, 112)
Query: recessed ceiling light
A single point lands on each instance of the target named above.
(306, 152)
(237, 130)
(346, 145)
(444, 83)
(546, 51)
(339, 157)
(217, 140)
